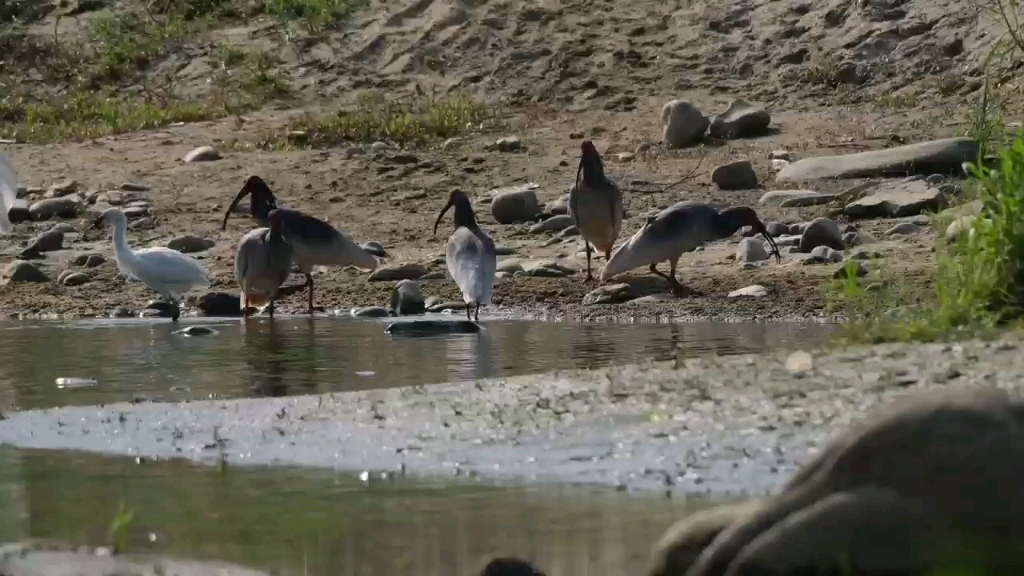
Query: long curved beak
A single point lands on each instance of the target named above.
(771, 241)
(441, 215)
(241, 194)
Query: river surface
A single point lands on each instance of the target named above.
(316, 522)
(137, 360)
(296, 520)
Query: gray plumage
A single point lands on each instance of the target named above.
(262, 264)
(314, 242)
(678, 229)
(595, 204)
(470, 255)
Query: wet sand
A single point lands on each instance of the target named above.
(721, 425)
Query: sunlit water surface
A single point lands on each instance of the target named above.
(149, 360)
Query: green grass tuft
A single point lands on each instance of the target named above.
(414, 122)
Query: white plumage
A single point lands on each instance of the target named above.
(168, 272)
(8, 193)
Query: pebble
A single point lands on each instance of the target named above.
(799, 361)
(189, 243)
(903, 229)
(859, 270)
(72, 278)
(751, 250)
(370, 312)
(66, 207)
(821, 232)
(408, 271)
(740, 120)
(738, 175)
(406, 299)
(197, 331)
(89, 260)
(553, 224)
(202, 154)
(753, 291)
(516, 206)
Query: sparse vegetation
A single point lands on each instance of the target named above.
(317, 15)
(414, 122)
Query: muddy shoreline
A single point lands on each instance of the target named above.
(722, 425)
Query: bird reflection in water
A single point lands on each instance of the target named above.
(266, 354)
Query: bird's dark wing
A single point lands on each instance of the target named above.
(304, 226)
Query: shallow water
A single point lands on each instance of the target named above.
(146, 359)
(306, 521)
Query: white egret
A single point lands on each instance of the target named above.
(8, 193)
(166, 271)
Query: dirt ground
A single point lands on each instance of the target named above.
(552, 73)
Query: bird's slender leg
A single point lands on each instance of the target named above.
(678, 289)
(175, 310)
(271, 308)
(309, 285)
(469, 309)
(476, 314)
(589, 275)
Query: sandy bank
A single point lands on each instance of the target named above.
(740, 423)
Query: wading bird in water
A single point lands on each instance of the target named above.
(470, 255)
(262, 264)
(165, 270)
(313, 241)
(8, 193)
(595, 204)
(678, 229)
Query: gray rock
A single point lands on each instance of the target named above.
(738, 175)
(569, 232)
(798, 228)
(511, 266)
(920, 220)
(64, 227)
(435, 275)
(406, 299)
(504, 250)
(859, 270)
(21, 271)
(610, 294)
(865, 255)
(47, 241)
(73, 279)
(375, 248)
(19, 211)
(188, 244)
(777, 197)
(682, 124)
(938, 156)
(133, 212)
(134, 187)
(202, 154)
(558, 207)
(827, 254)
(193, 331)
(740, 120)
(89, 260)
(788, 240)
(781, 155)
(66, 207)
(751, 250)
(896, 200)
(552, 241)
(544, 272)
(808, 200)
(408, 271)
(441, 307)
(512, 207)
(553, 224)
(776, 228)
(62, 188)
(821, 232)
(754, 291)
(551, 265)
(508, 144)
(852, 239)
(902, 229)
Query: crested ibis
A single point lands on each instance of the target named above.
(681, 228)
(164, 270)
(595, 204)
(472, 260)
(262, 264)
(313, 241)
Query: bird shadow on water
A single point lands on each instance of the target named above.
(269, 359)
